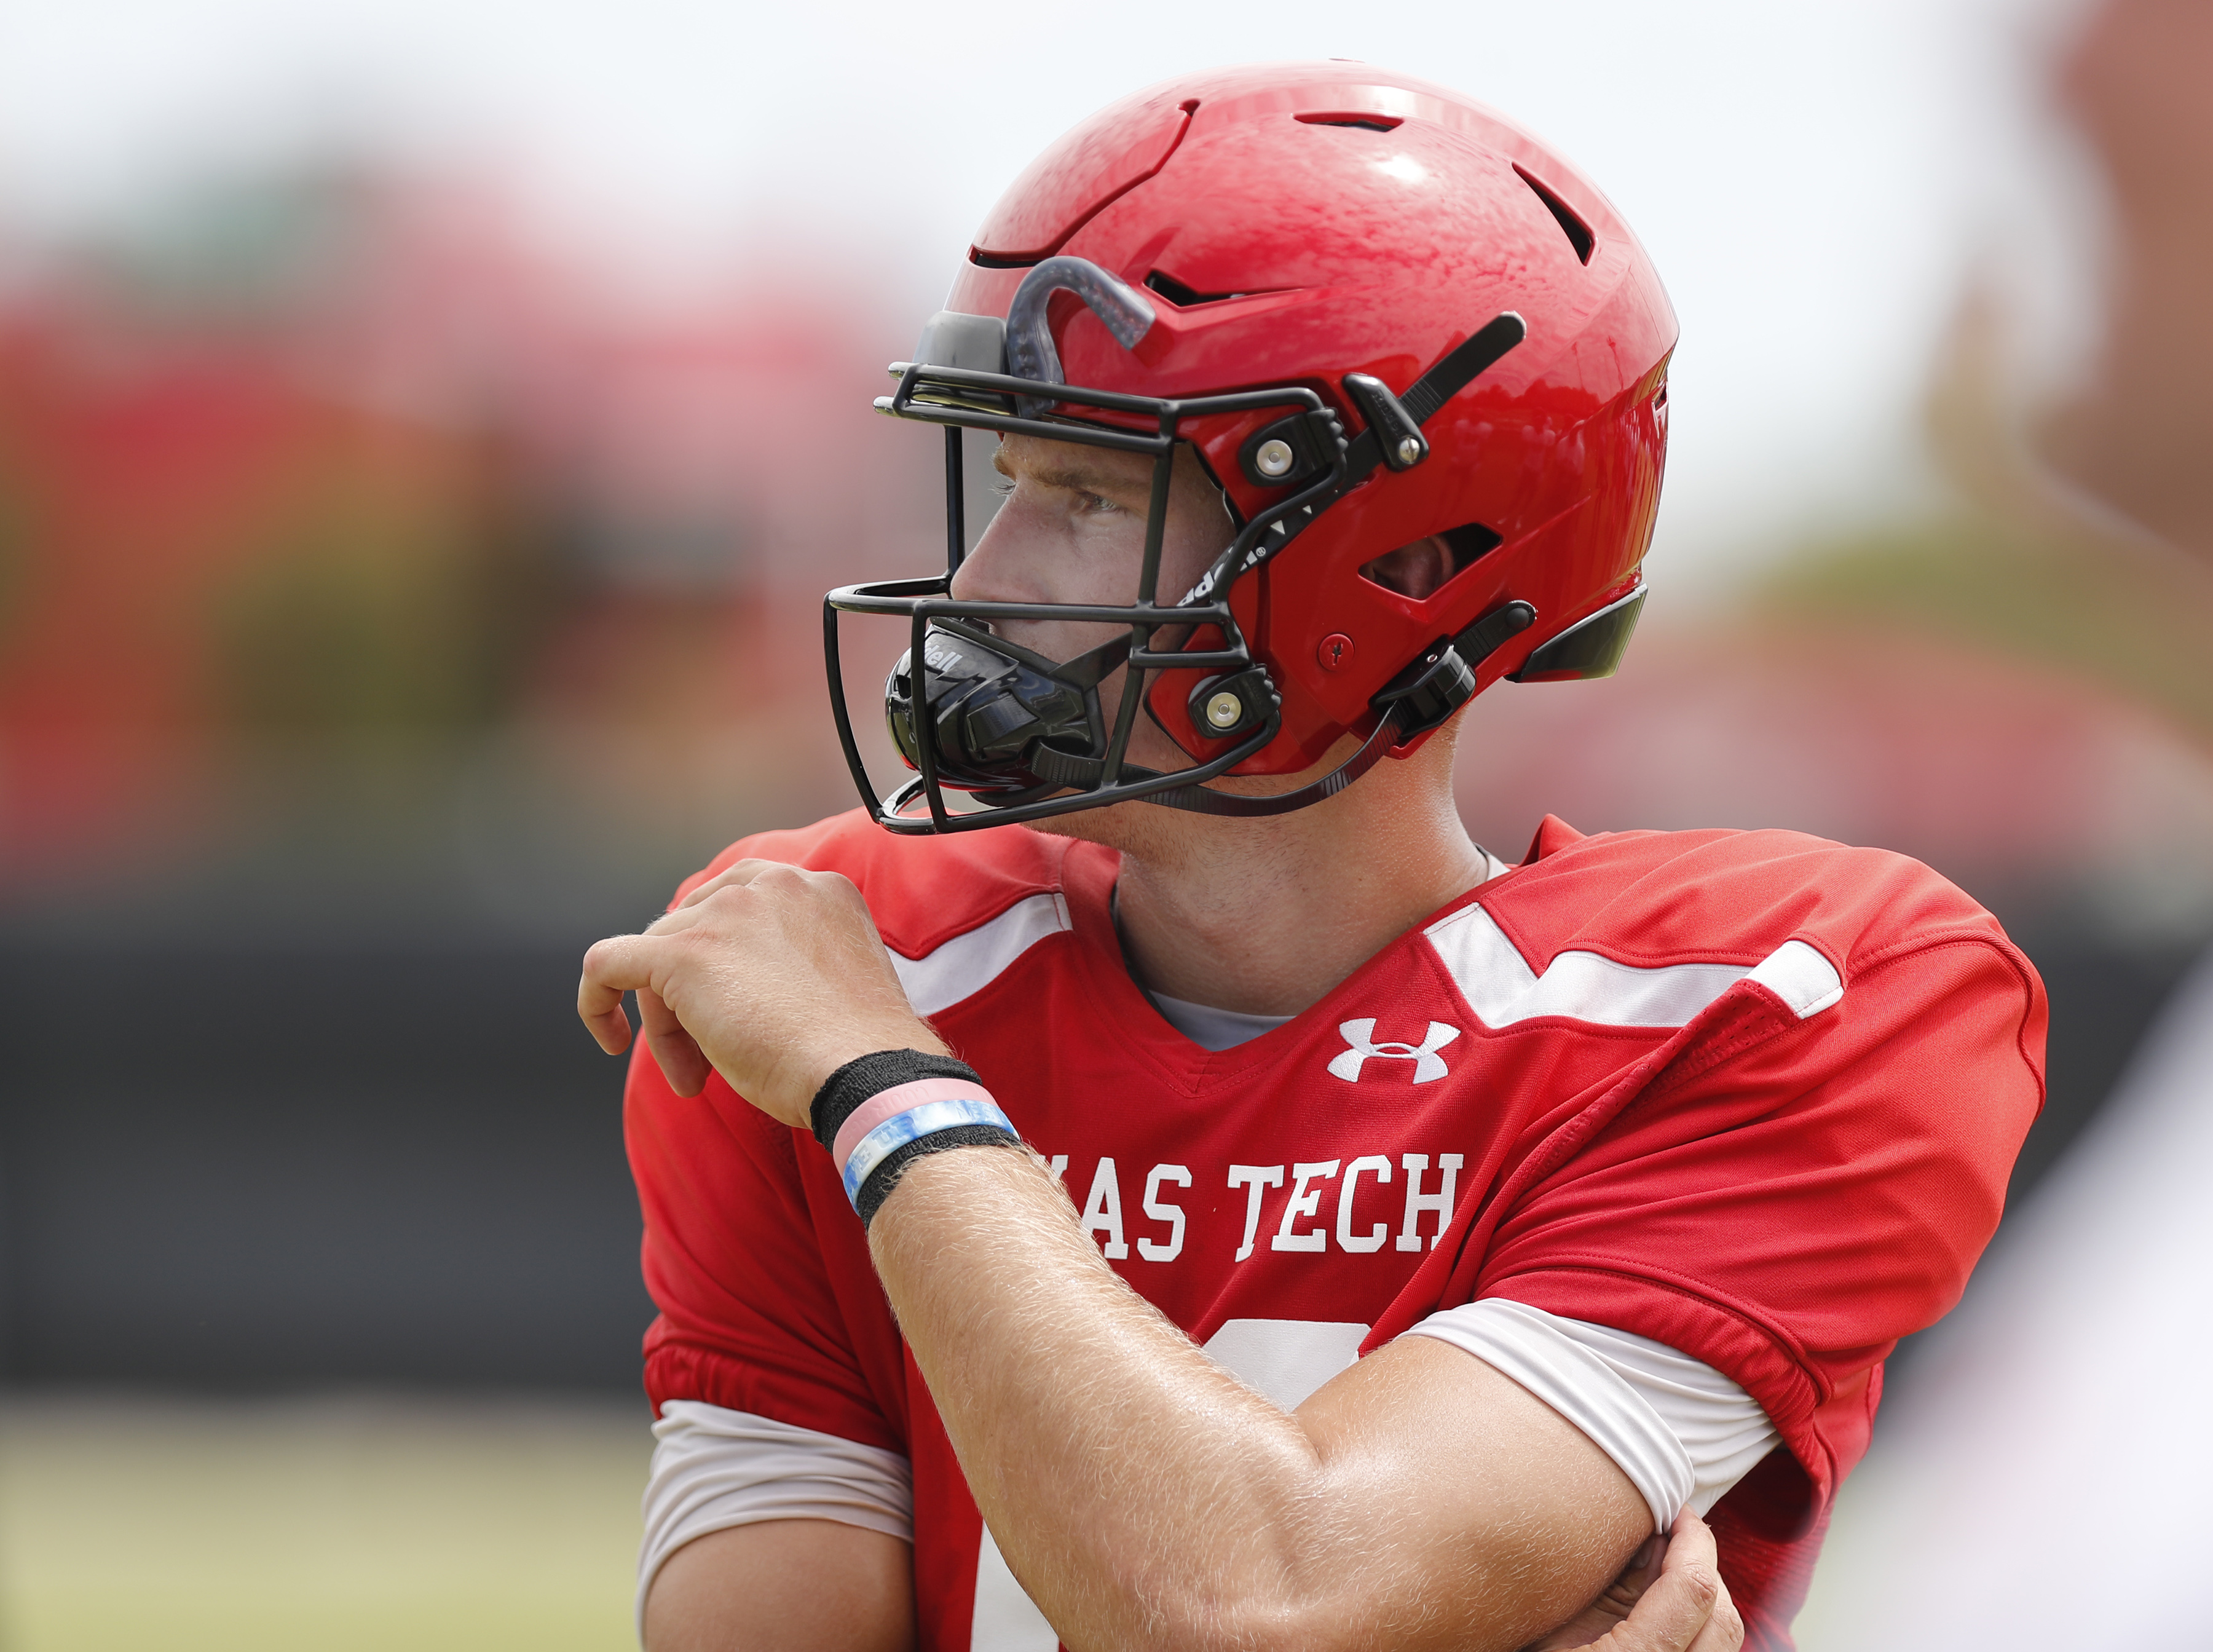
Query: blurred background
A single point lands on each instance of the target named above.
(426, 431)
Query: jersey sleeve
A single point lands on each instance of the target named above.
(760, 1268)
(1682, 1432)
(1785, 1197)
(714, 1469)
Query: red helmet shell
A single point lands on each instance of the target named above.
(1313, 220)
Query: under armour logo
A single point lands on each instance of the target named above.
(1360, 1035)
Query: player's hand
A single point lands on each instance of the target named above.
(772, 976)
(1670, 1598)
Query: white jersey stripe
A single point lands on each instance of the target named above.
(967, 964)
(1800, 976)
(1502, 989)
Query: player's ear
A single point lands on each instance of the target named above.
(1413, 571)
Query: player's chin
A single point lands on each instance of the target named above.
(1143, 830)
(1152, 831)
(1115, 826)
(1139, 826)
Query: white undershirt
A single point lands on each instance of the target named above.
(1210, 1028)
(1682, 1432)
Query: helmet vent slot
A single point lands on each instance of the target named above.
(1371, 123)
(1181, 296)
(1578, 233)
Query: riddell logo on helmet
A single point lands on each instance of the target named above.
(1360, 1037)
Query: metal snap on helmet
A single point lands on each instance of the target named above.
(1379, 311)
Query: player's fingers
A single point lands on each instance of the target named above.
(1687, 1608)
(612, 967)
(1724, 1630)
(1699, 1555)
(743, 873)
(681, 1062)
(682, 917)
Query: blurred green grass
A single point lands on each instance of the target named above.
(136, 1525)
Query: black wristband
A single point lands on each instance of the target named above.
(871, 1074)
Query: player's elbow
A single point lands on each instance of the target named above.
(1258, 1628)
(1279, 1618)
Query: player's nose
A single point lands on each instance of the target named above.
(1005, 564)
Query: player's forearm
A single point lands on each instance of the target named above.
(1141, 1495)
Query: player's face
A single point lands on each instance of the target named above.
(1072, 530)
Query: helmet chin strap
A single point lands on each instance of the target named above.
(1420, 698)
(1084, 773)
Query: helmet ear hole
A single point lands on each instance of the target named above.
(1469, 542)
(1417, 571)
(1420, 570)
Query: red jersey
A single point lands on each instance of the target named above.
(1752, 1095)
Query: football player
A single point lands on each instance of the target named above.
(1150, 1179)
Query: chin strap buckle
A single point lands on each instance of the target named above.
(1426, 692)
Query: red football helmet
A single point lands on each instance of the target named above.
(1378, 312)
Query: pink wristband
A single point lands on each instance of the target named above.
(889, 1104)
